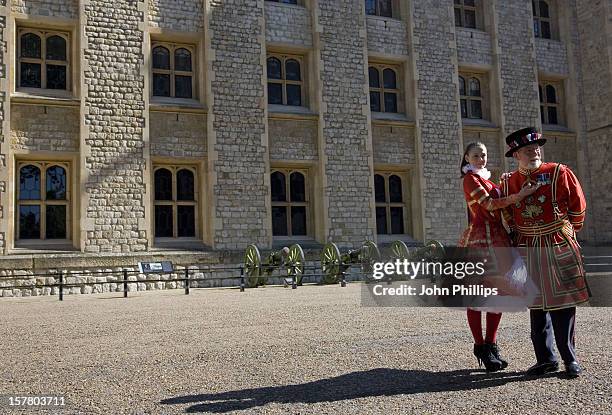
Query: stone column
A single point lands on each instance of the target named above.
(238, 162)
(515, 60)
(4, 127)
(438, 119)
(113, 130)
(345, 141)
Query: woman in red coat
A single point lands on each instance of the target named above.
(485, 230)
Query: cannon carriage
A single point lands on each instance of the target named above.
(335, 266)
(257, 272)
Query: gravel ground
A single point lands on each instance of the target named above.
(275, 351)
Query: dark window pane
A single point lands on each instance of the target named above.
(297, 186)
(390, 102)
(533, 7)
(374, 101)
(389, 79)
(163, 222)
(542, 115)
(458, 19)
(384, 8)
(56, 222)
(397, 220)
(551, 94)
(277, 181)
(545, 30)
(163, 184)
(536, 27)
(30, 46)
(56, 48)
(29, 75)
(462, 86)
(379, 189)
(29, 183)
(56, 183)
(540, 93)
(182, 86)
(464, 111)
(544, 9)
(374, 77)
(475, 109)
(474, 87)
(279, 221)
(370, 7)
(457, 1)
(185, 185)
(161, 58)
(161, 85)
(29, 222)
(395, 189)
(469, 3)
(294, 95)
(274, 68)
(298, 220)
(186, 221)
(552, 115)
(381, 220)
(182, 60)
(275, 93)
(292, 70)
(56, 77)
(470, 19)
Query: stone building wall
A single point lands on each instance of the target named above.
(561, 148)
(3, 126)
(68, 9)
(346, 147)
(288, 24)
(387, 36)
(113, 107)
(437, 120)
(394, 145)
(238, 152)
(178, 135)
(180, 16)
(40, 128)
(293, 140)
(551, 56)
(473, 47)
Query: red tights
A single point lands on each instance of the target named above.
(475, 323)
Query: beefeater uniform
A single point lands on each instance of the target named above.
(546, 224)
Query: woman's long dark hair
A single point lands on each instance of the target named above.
(465, 153)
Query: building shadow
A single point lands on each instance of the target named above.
(369, 383)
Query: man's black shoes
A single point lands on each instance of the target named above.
(540, 369)
(573, 369)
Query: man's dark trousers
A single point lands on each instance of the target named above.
(562, 322)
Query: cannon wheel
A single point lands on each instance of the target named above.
(330, 263)
(295, 263)
(252, 266)
(435, 249)
(369, 255)
(400, 250)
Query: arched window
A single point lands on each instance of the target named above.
(385, 98)
(285, 80)
(176, 201)
(290, 203)
(466, 13)
(549, 104)
(173, 70)
(391, 209)
(43, 59)
(541, 19)
(382, 8)
(42, 214)
(471, 100)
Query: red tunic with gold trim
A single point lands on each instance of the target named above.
(547, 222)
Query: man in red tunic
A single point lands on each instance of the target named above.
(545, 225)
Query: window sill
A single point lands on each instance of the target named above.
(556, 128)
(162, 104)
(387, 240)
(390, 116)
(472, 29)
(290, 111)
(548, 42)
(478, 123)
(171, 244)
(42, 247)
(292, 6)
(279, 242)
(45, 96)
(376, 17)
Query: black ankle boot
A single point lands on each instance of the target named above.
(485, 356)
(495, 351)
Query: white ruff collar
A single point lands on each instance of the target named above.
(484, 173)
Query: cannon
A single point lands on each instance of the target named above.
(430, 251)
(335, 265)
(258, 271)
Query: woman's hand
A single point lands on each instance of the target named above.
(505, 176)
(528, 189)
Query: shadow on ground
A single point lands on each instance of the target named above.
(370, 383)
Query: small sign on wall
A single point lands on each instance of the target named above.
(155, 267)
